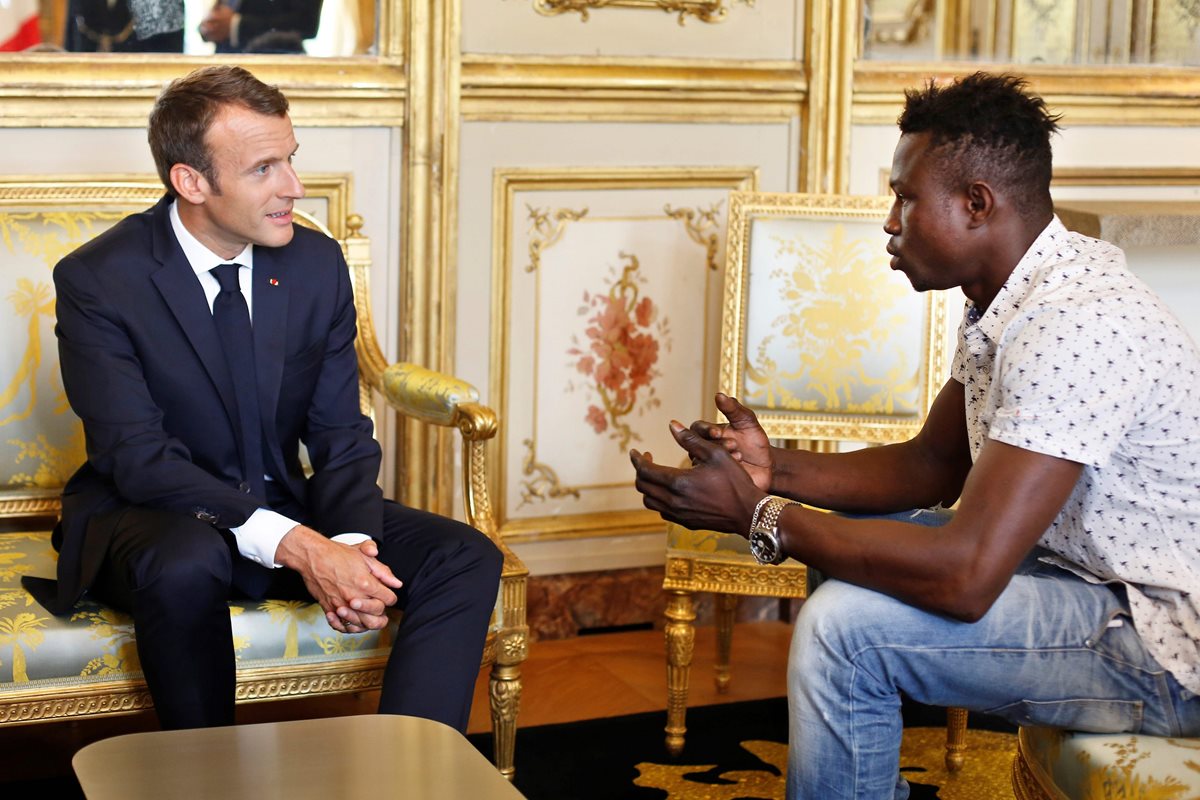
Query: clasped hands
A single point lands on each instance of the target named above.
(349, 582)
(730, 472)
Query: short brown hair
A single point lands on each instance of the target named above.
(186, 109)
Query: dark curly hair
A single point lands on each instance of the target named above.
(987, 127)
(186, 109)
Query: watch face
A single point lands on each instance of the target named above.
(764, 546)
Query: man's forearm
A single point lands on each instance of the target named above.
(875, 480)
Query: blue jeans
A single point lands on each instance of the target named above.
(1053, 650)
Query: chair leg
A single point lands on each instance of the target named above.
(956, 738)
(681, 643)
(504, 692)
(726, 610)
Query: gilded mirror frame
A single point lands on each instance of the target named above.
(1085, 95)
(49, 90)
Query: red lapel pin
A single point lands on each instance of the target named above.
(274, 281)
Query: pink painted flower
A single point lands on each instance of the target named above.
(645, 312)
(596, 418)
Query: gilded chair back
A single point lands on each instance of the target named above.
(42, 220)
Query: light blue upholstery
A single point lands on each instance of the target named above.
(94, 647)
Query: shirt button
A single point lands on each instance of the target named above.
(244, 487)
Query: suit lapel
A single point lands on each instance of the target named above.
(177, 283)
(271, 292)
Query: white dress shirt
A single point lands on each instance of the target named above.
(259, 536)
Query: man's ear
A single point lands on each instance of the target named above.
(189, 184)
(981, 203)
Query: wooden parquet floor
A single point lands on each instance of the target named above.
(607, 675)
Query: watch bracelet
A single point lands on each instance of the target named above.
(770, 515)
(757, 512)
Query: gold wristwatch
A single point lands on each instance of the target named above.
(765, 545)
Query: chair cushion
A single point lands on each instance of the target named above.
(95, 643)
(683, 540)
(1105, 766)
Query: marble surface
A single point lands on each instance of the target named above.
(562, 606)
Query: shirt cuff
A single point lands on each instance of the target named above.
(351, 539)
(258, 537)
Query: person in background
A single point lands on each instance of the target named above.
(233, 25)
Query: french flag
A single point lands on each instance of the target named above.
(18, 25)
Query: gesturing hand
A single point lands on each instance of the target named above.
(352, 586)
(716, 493)
(742, 437)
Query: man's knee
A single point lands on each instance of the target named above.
(840, 620)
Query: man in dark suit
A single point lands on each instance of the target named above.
(193, 491)
(239, 26)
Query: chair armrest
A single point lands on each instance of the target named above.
(438, 399)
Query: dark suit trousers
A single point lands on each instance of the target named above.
(175, 574)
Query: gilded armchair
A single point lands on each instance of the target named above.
(830, 349)
(56, 668)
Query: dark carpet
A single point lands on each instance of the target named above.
(734, 751)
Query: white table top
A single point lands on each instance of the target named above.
(370, 756)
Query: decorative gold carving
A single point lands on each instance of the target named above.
(711, 574)
(680, 634)
(550, 230)
(956, 738)
(545, 483)
(726, 609)
(512, 646)
(900, 21)
(504, 695)
(711, 11)
(697, 221)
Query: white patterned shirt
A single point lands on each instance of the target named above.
(1076, 358)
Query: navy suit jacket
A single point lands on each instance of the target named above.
(143, 368)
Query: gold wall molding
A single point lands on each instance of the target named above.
(710, 11)
(833, 30)
(117, 91)
(510, 88)
(1108, 96)
(1125, 176)
(429, 218)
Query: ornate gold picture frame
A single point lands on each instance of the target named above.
(819, 337)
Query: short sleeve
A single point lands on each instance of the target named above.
(1069, 385)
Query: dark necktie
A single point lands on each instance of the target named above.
(232, 318)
